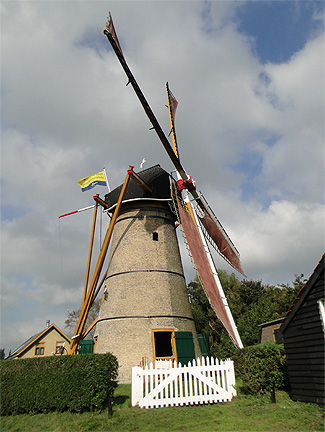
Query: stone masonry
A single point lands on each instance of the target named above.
(145, 286)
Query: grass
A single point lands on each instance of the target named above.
(244, 413)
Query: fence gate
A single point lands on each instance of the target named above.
(205, 380)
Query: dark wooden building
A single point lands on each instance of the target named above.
(303, 336)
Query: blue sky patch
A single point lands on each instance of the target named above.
(250, 165)
(279, 28)
(95, 41)
(10, 213)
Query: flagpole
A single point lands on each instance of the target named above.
(109, 189)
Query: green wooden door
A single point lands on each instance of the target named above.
(86, 346)
(184, 347)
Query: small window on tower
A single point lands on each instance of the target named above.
(155, 236)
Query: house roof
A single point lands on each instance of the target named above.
(303, 293)
(34, 339)
(270, 323)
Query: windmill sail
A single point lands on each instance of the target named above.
(212, 226)
(112, 37)
(209, 281)
(217, 236)
(172, 106)
(111, 29)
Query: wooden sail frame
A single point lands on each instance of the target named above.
(220, 238)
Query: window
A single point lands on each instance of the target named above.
(59, 348)
(164, 344)
(105, 294)
(321, 305)
(39, 350)
(155, 236)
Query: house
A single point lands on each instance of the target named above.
(270, 332)
(43, 344)
(303, 334)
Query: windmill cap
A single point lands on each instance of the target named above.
(155, 177)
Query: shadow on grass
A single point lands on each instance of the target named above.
(120, 400)
(122, 396)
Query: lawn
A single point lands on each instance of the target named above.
(244, 413)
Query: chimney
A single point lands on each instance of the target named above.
(47, 323)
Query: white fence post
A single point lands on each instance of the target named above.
(137, 385)
(231, 377)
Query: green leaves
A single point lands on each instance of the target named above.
(73, 383)
(261, 367)
(72, 318)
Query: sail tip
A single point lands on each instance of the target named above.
(109, 19)
(241, 270)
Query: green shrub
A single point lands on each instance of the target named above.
(66, 383)
(261, 368)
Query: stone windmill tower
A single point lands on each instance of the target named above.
(145, 311)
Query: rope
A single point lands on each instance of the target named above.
(61, 263)
(174, 208)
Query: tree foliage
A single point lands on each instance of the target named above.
(251, 304)
(261, 368)
(73, 316)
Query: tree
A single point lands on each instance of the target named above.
(259, 312)
(284, 294)
(73, 316)
(262, 368)
(2, 353)
(206, 321)
(251, 304)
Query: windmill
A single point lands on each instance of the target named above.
(145, 313)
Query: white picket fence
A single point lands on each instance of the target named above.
(205, 380)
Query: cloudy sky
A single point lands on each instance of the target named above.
(249, 78)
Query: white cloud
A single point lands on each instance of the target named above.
(299, 89)
(283, 236)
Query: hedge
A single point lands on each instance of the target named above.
(262, 368)
(65, 383)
